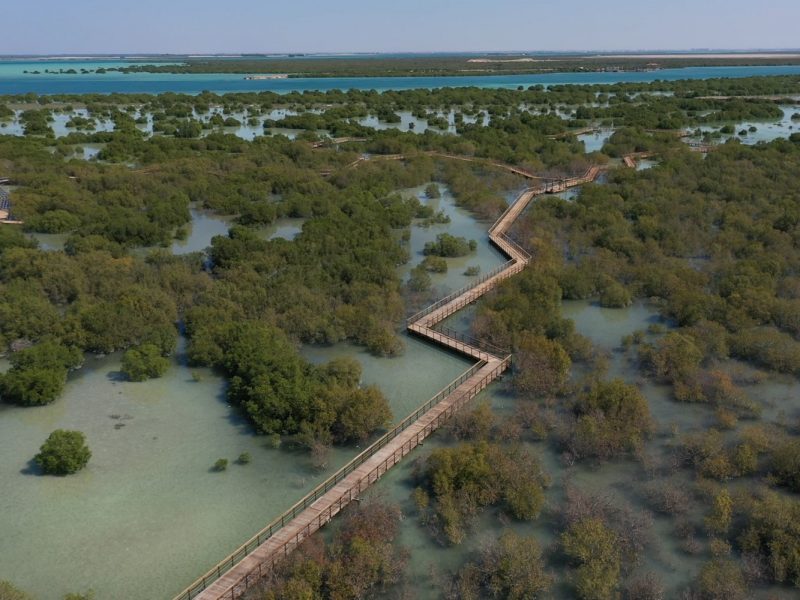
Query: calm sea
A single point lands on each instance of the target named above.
(13, 80)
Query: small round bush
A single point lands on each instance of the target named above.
(63, 453)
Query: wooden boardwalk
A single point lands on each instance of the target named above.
(486, 162)
(632, 159)
(701, 147)
(336, 141)
(575, 132)
(5, 204)
(247, 565)
(6, 218)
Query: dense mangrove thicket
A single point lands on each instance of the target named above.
(707, 242)
(711, 241)
(238, 310)
(247, 306)
(712, 244)
(361, 560)
(455, 65)
(457, 482)
(518, 126)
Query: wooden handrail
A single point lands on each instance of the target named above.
(485, 354)
(384, 466)
(276, 524)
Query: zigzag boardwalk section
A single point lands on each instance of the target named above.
(230, 578)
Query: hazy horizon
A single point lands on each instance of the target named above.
(92, 27)
(279, 53)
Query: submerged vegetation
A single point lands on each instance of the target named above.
(457, 482)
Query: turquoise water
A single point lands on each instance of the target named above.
(13, 81)
(17, 68)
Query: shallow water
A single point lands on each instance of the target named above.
(421, 125)
(147, 515)
(594, 142)
(245, 130)
(88, 151)
(606, 327)
(407, 381)
(286, 228)
(205, 225)
(766, 131)
(148, 502)
(462, 224)
(405, 124)
(431, 564)
(50, 241)
(148, 492)
(644, 164)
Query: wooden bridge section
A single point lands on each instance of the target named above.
(486, 162)
(574, 132)
(249, 563)
(5, 206)
(336, 141)
(632, 159)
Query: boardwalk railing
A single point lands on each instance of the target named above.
(450, 297)
(244, 582)
(306, 518)
(508, 209)
(472, 341)
(452, 342)
(519, 249)
(202, 582)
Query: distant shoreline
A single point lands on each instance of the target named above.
(141, 82)
(261, 67)
(704, 55)
(273, 76)
(134, 56)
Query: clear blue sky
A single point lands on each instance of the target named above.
(204, 26)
